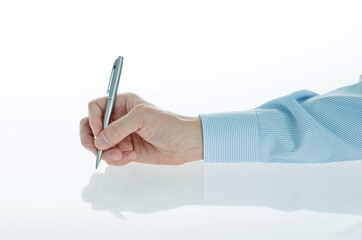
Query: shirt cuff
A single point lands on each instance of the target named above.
(230, 137)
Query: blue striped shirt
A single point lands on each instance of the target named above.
(302, 127)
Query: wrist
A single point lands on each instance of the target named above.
(195, 142)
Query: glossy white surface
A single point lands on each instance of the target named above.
(50, 190)
(61, 196)
(54, 192)
(188, 57)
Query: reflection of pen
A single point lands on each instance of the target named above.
(112, 93)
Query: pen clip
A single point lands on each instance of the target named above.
(111, 77)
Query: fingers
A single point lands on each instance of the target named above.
(86, 135)
(126, 144)
(116, 153)
(121, 128)
(125, 102)
(95, 113)
(115, 157)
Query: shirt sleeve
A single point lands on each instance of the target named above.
(302, 127)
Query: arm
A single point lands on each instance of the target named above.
(300, 127)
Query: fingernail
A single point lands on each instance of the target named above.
(113, 155)
(102, 142)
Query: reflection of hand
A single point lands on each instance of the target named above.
(145, 188)
(141, 132)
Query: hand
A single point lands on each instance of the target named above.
(141, 132)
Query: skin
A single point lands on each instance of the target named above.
(141, 132)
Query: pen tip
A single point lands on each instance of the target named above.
(99, 156)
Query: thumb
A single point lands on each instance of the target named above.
(121, 128)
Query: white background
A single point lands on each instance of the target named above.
(202, 56)
(188, 57)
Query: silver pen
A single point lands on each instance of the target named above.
(112, 94)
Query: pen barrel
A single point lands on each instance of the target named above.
(112, 93)
(108, 113)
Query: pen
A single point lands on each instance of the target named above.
(112, 93)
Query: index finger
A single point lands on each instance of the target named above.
(95, 114)
(125, 102)
(86, 137)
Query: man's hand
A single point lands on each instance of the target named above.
(141, 132)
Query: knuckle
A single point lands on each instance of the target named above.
(131, 95)
(128, 95)
(82, 141)
(140, 110)
(83, 121)
(90, 104)
(141, 107)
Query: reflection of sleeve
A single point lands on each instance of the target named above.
(300, 127)
(332, 187)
